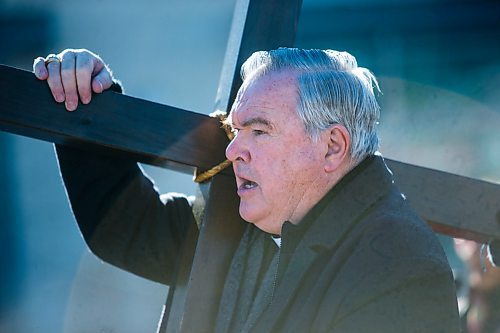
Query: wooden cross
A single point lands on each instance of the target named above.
(178, 139)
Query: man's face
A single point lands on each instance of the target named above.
(279, 170)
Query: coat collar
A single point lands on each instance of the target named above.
(344, 203)
(328, 222)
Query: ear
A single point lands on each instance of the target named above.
(339, 144)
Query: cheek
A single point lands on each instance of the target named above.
(300, 170)
(273, 174)
(280, 173)
(285, 170)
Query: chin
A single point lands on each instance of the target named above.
(259, 223)
(246, 215)
(257, 218)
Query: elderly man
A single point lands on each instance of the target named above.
(331, 244)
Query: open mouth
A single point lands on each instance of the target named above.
(248, 184)
(245, 184)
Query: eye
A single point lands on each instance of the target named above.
(258, 132)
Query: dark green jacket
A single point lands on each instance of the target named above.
(360, 261)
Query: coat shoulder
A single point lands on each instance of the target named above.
(395, 268)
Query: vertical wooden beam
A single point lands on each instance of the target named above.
(257, 25)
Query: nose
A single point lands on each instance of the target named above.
(237, 150)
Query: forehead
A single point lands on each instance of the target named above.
(272, 95)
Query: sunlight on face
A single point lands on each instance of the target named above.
(275, 162)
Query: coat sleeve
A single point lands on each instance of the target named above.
(121, 216)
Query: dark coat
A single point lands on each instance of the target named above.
(360, 261)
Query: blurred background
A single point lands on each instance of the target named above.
(439, 70)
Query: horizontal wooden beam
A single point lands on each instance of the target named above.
(454, 205)
(167, 136)
(148, 132)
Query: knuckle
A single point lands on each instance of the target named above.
(67, 60)
(89, 54)
(37, 61)
(85, 53)
(39, 67)
(53, 65)
(67, 53)
(67, 73)
(84, 63)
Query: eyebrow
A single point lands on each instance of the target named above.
(256, 120)
(247, 123)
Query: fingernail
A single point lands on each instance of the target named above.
(70, 106)
(101, 88)
(59, 98)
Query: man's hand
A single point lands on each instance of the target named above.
(73, 75)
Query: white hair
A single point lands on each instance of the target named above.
(332, 89)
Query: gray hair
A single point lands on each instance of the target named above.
(332, 89)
